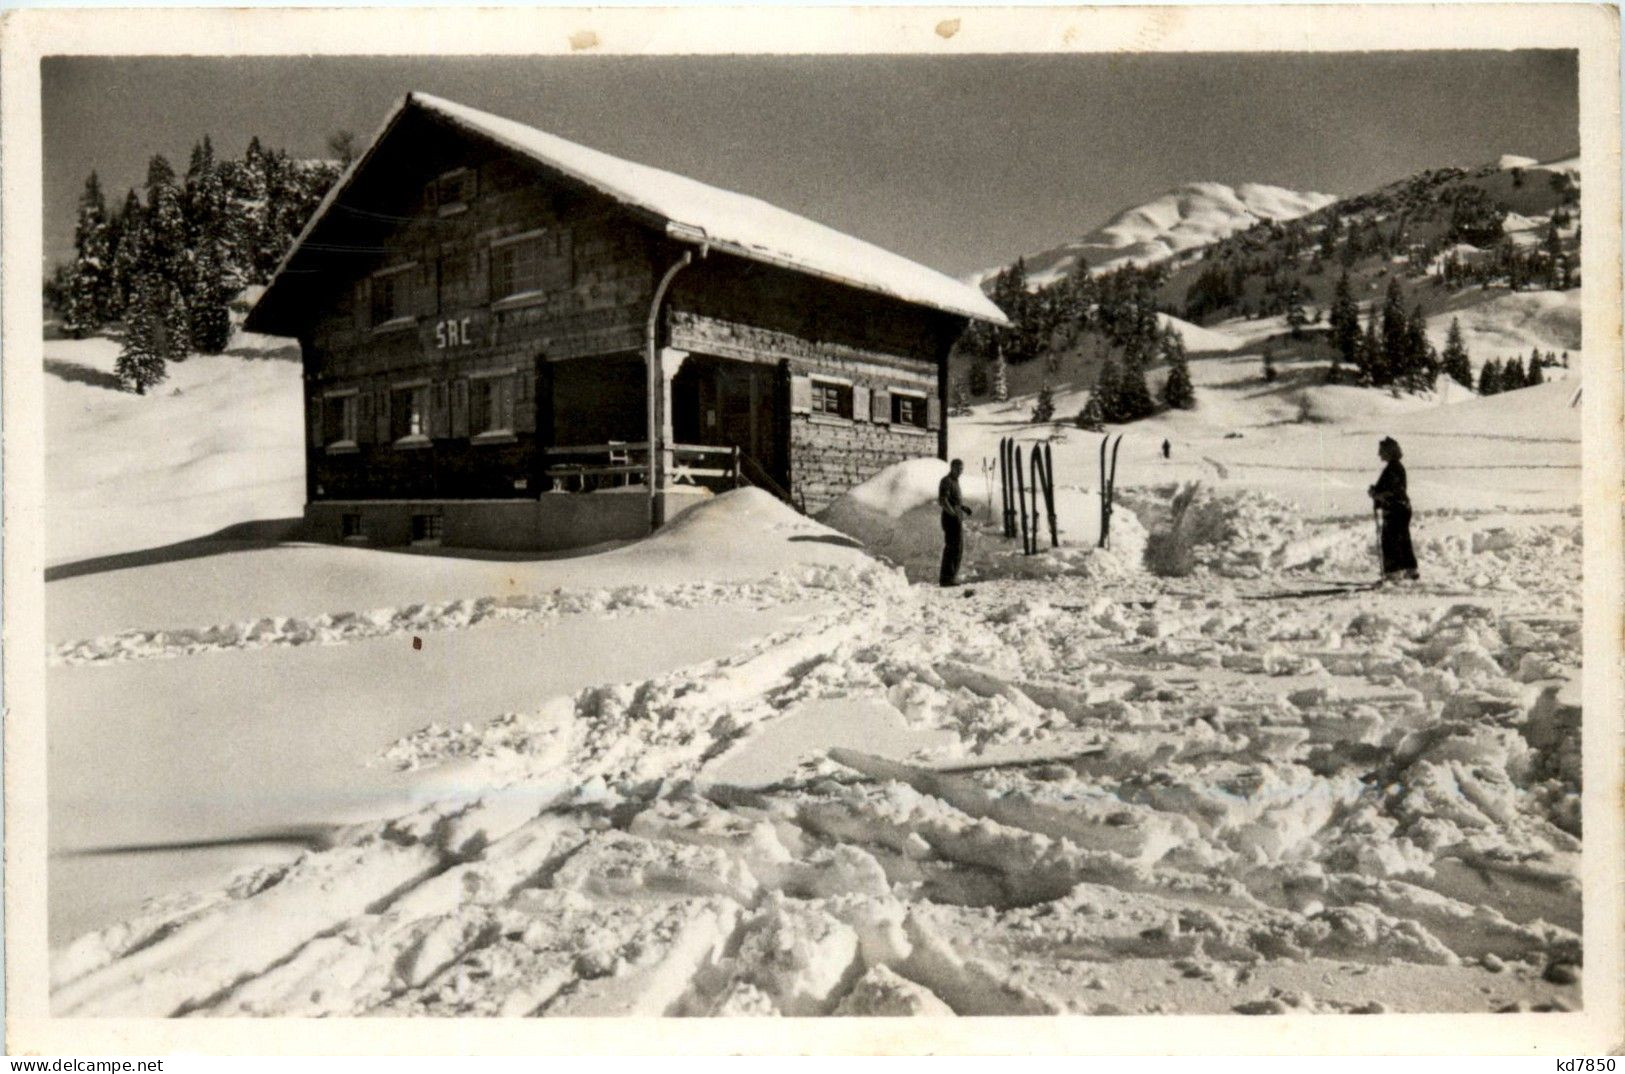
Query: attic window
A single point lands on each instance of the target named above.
(454, 190)
(391, 298)
(530, 264)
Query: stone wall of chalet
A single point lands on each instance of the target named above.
(814, 331)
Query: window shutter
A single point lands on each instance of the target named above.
(383, 415)
(860, 403)
(439, 410)
(479, 275)
(800, 395)
(314, 428)
(363, 304)
(524, 411)
(459, 407)
(364, 427)
(505, 389)
(880, 408)
(933, 413)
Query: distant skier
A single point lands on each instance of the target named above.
(1389, 496)
(1166, 449)
(954, 513)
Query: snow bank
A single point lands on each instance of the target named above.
(895, 515)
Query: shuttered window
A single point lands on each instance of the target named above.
(392, 295)
(908, 410)
(454, 190)
(533, 263)
(831, 398)
(490, 405)
(409, 413)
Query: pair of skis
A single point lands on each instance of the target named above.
(1108, 486)
(1021, 517)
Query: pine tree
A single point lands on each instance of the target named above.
(1109, 390)
(1534, 376)
(1421, 361)
(127, 256)
(1091, 417)
(90, 286)
(1044, 405)
(1457, 364)
(1373, 369)
(1489, 378)
(155, 330)
(1565, 359)
(1177, 391)
(1001, 376)
(1512, 375)
(959, 398)
(1134, 396)
(1345, 321)
(1395, 341)
(1296, 318)
(208, 305)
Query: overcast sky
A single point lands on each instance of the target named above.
(957, 162)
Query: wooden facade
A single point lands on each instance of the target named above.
(475, 327)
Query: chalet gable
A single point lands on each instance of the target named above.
(685, 209)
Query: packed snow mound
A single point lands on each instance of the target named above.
(1511, 160)
(895, 515)
(745, 526)
(1185, 218)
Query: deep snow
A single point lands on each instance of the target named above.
(748, 766)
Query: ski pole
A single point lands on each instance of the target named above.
(1049, 494)
(1376, 518)
(1021, 498)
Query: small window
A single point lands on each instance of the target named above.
(350, 526)
(339, 420)
(490, 405)
(454, 190)
(427, 529)
(390, 295)
(831, 398)
(409, 413)
(530, 264)
(908, 410)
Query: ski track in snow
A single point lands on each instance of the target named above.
(1160, 797)
(338, 628)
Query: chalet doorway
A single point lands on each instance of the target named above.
(721, 403)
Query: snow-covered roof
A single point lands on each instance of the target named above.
(697, 212)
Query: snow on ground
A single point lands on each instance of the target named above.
(216, 444)
(748, 767)
(1505, 324)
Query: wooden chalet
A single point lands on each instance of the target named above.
(513, 341)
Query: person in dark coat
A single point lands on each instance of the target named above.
(954, 512)
(1390, 497)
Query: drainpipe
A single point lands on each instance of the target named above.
(657, 390)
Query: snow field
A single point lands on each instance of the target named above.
(1152, 798)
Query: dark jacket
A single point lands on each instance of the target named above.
(1389, 491)
(949, 498)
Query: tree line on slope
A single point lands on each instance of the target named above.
(166, 266)
(1117, 310)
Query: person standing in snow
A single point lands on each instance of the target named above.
(1166, 449)
(1389, 496)
(954, 512)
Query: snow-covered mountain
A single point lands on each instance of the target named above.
(1185, 218)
